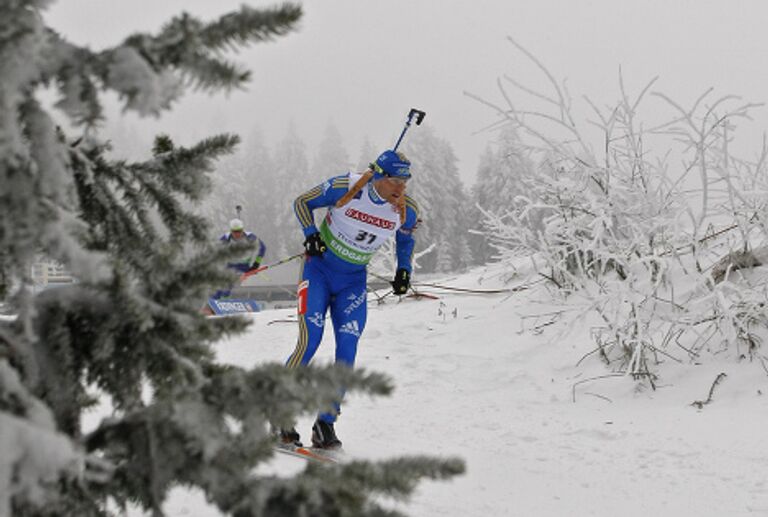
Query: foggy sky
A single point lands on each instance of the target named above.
(362, 64)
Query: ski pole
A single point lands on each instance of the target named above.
(263, 268)
(380, 299)
(419, 117)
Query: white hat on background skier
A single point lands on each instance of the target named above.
(236, 225)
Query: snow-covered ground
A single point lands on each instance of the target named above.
(539, 438)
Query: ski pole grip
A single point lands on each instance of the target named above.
(419, 116)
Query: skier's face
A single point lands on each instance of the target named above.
(391, 189)
(237, 234)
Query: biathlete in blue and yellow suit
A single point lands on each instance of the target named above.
(364, 211)
(237, 233)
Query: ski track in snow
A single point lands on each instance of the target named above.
(474, 386)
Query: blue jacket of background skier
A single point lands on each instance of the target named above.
(252, 262)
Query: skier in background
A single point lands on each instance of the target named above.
(237, 233)
(364, 211)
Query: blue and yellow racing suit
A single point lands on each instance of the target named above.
(337, 279)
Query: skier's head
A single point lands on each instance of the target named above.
(391, 164)
(236, 228)
(390, 173)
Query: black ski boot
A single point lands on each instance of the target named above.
(324, 437)
(290, 437)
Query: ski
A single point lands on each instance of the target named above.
(309, 453)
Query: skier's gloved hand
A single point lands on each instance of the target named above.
(314, 245)
(240, 267)
(254, 269)
(402, 281)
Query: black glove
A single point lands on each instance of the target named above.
(314, 245)
(402, 281)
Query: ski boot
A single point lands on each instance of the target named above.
(324, 436)
(289, 437)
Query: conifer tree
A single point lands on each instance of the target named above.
(128, 330)
(229, 190)
(443, 202)
(292, 176)
(258, 189)
(505, 172)
(332, 158)
(368, 153)
(244, 179)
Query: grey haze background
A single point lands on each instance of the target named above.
(361, 64)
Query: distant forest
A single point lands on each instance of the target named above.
(265, 180)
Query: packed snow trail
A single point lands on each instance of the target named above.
(472, 380)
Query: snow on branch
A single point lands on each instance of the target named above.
(34, 452)
(619, 226)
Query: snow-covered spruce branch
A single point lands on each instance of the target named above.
(131, 326)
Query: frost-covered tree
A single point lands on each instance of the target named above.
(442, 200)
(478, 238)
(504, 174)
(244, 179)
(368, 154)
(129, 333)
(292, 176)
(332, 157)
(230, 189)
(258, 188)
(644, 226)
